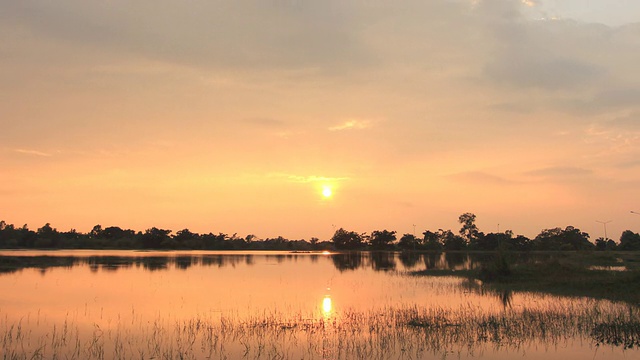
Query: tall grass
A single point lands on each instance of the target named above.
(391, 332)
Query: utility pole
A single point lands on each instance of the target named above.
(604, 224)
(414, 237)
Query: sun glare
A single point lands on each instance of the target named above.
(326, 191)
(327, 306)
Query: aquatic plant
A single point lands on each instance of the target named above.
(377, 334)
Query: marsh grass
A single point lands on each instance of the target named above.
(392, 332)
(577, 274)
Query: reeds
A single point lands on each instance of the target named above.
(390, 332)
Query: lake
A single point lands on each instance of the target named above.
(282, 305)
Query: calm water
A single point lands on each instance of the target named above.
(201, 305)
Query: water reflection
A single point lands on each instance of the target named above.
(151, 303)
(409, 259)
(349, 261)
(12, 263)
(383, 261)
(327, 306)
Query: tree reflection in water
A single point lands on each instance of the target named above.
(377, 260)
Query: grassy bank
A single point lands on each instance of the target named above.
(612, 276)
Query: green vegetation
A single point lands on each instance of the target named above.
(593, 275)
(599, 275)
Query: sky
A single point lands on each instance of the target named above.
(233, 116)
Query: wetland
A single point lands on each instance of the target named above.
(120, 304)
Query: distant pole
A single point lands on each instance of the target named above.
(414, 237)
(498, 228)
(604, 224)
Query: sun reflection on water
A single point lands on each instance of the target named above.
(327, 305)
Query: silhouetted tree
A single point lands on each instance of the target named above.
(603, 244)
(490, 241)
(381, 240)
(115, 232)
(432, 241)
(451, 241)
(155, 238)
(213, 242)
(314, 241)
(8, 236)
(96, 232)
(629, 241)
(70, 239)
(47, 237)
(186, 239)
(558, 239)
(520, 243)
(343, 239)
(408, 242)
(469, 231)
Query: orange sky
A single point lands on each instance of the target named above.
(230, 116)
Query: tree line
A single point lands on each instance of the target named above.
(469, 237)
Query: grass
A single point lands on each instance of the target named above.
(391, 332)
(581, 274)
(569, 275)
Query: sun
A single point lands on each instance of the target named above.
(326, 191)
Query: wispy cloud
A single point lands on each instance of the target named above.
(32, 152)
(560, 172)
(479, 177)
(351, 124)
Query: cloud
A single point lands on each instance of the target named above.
(628, 122)
(613, 99)
(237, 34)
(528, 54)
(32, 152)
(543, 73)
(561, 172)
(351, 124)
(567, 65)
(480, 178)
(631, 164)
